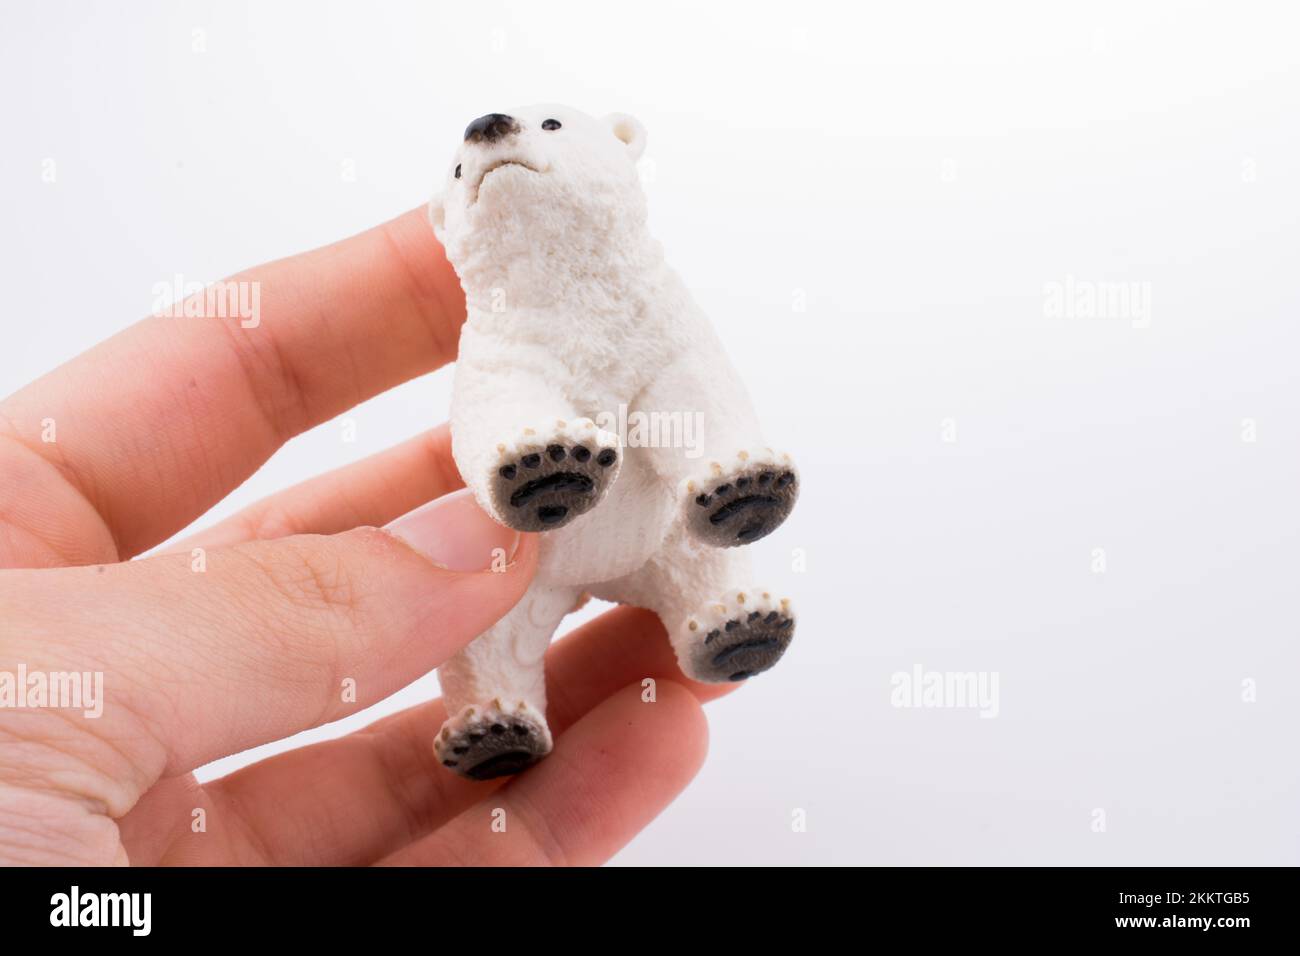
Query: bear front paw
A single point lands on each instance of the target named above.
(551, 475)
(741, 501)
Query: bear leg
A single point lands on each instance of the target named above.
(495, 690)
(732, 488)
(722, 627)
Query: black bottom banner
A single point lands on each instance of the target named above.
(334, 905)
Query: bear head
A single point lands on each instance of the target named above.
(538, 188)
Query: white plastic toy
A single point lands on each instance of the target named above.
(575, 322)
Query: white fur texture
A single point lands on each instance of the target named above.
(573, 314)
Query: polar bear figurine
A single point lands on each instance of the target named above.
(575, 324)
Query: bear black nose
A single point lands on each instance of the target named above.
(490, 128)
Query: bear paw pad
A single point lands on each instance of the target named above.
(743, 634)
(492, 740)
(738, 503)
(551, 475)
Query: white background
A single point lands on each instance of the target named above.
(916, 174)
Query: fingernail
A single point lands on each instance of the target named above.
(455, 533)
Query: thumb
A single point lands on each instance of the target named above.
(207, 654)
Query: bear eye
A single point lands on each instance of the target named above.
(551, 124)
(458, 170)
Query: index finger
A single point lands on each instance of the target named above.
(160, 422)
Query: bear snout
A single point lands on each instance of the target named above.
(490, 128)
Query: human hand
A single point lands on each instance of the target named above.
(253, 630)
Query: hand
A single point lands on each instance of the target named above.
(257, 628)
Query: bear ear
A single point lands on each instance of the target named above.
(437, 215)
(630, 131)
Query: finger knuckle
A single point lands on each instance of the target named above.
(268, 523)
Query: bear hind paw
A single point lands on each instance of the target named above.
(743, 634)
(492, 740)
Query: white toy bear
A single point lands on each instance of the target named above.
(573, 315)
